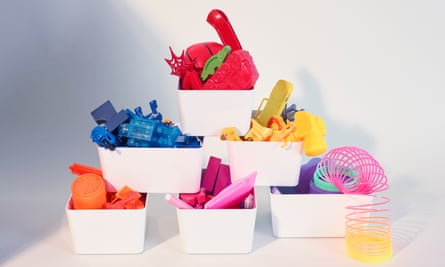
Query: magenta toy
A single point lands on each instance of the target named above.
(233, 194)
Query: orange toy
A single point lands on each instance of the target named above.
(126, 198)
(88, 192)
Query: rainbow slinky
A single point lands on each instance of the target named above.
(368, 230)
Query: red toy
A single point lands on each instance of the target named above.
(236, 72)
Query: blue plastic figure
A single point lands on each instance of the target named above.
(154, 115)
(102, 137)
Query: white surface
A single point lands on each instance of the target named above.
(373, 70)
(207, 112)
(274, 163)
(153, 170)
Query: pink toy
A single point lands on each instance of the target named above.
(177, 202)
(353, 171)
(194, 199)
(368, 230)
(233, 194)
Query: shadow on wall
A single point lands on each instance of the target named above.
(59, 61)
(62, 60)
(338, 134)
(411, 211)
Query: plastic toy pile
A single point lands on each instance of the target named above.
(276, 122)
(211, 65)
(134, 129)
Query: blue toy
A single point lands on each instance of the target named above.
(133, 129)
(141, 132)
(106, 115)
(102, 137)
(154, 115)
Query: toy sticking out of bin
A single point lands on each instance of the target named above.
(102, 222)
(271, 124)
(215, 66)
(223, 223)
(137, 130)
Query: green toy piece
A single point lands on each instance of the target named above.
(214, 62)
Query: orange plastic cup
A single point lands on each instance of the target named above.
(88, 192)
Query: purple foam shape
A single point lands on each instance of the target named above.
(210, 174)
(306, 174)
(223, 179)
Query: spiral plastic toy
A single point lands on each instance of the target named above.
(368, 231)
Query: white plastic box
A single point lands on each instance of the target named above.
(153, 170)
(207, 112)
(312, 215)
(216, 231)
(107, 231)
(276, 163)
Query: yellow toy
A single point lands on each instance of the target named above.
(257, 132)
(311, 130)
(230, 134)
(286, 134)
(269, 125)
(275, 103)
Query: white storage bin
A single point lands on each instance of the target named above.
(107, 231)
(276, 163)
(216, 231)
(207, 112)
(153, 170)
(312, 215)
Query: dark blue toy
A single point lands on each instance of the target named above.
(106, 115)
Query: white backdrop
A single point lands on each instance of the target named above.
(374, 70)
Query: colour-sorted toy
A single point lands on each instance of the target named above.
(268, 124)
(77, 168)
(88, 191)
(104, 138)
(154, 115)
(368, 230)
(217, 191)
(141, 132)
(232, 194)
(179, 203)
(232, 68)
(126, 198)
(275, 103)
(107, 116)
(311, 130)
(137, 130)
